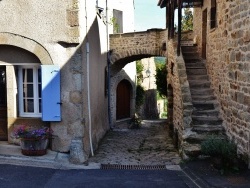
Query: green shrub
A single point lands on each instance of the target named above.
(221, 149)
(140, 93)
(135, 122)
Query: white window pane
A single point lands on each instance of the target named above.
(28, 105)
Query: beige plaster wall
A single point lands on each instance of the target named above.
(61, 30)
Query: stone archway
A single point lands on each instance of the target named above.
(115, 80)
(26, 44)
(18, 50)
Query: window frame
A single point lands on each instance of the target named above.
(213, 14)
(36, 97)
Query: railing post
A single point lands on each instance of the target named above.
(179, 27)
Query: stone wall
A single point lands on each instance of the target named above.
(142, 44)
(55, 32)
(228, 56)
(115, 80)
(182, 106)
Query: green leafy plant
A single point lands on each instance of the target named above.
(135, 122)
(116, 27)
(161, 79)
(139, 70)
(140, 94)
(222, 151)
(187, 20)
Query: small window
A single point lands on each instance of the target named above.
(29, 90)
(213, 14)
(117, 21)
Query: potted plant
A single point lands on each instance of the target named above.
(33, 141)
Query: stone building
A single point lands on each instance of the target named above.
(54, 68)
(209, 80)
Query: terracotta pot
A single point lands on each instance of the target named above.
(34, 146)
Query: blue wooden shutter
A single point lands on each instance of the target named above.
(51, 100)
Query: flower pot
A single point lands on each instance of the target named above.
(34, 146)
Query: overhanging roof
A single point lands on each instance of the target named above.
(185, 3)
(162, 3)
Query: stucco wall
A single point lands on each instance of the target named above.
(62, 29)
(228, 65)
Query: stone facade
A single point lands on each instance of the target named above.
(37, 33)
(129, 47)
(227, 61)
(115, 80)
(224, 47)
(180, 103)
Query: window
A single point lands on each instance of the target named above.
(213, 14)
(29, 90)
(117, 21)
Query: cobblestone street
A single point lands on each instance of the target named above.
(149, 145)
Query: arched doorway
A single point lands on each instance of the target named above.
(123, 96)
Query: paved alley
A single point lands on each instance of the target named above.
(149, 145)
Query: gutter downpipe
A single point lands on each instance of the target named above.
(88, 88)
(89, 109)
(109, 52)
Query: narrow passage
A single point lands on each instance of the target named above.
(149, 145)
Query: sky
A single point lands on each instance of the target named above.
(148, 15)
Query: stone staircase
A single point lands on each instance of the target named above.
(206, 120)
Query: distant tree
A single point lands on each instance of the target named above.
(140, 92)
(187, 20)
(139, 70)
(161, 77)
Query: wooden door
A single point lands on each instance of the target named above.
(123, 100)
(204, 33)
(3, 104)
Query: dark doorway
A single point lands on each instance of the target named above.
(3, 104)
(204, 33)
(123, 95)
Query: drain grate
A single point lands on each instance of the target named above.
(132, 167)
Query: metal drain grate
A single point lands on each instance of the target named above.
(132, 167)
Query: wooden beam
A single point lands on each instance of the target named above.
(179, 27)
(172, 8)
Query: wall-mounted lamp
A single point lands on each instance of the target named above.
(148, 73)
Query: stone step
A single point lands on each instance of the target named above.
(186, 49)
(190, 58)
(205, 91)
(196, 138)
(207, 128)
(206, 120)
(203, 106)
(195, 65)
(199, 84)
(191, 55)
(194, 60)
(197, 77)
(213, 112)
(203, 98)
(198, 71)
(191, 150)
